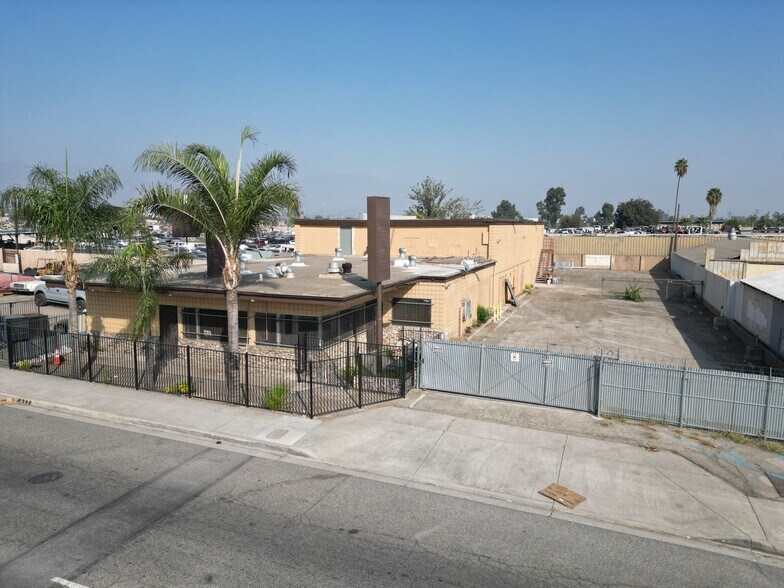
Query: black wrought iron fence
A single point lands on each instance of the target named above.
(312, 384)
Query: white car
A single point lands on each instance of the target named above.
(27, 287)
(56, 294)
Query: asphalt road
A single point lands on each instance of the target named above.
(138, 510)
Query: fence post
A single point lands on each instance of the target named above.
(481, 375)
(597, 400)
(310, 387)
(10, 346)
(767, 405)
(405, 371)
(89, 360)
(546, 376)
(188, 370)
(683, 393)
(135, 366)
(247, 382)
(359, 368)
(46, 351)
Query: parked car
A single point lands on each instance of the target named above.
(56, 294)
(27, 287)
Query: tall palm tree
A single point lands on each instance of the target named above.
(12, 201)
(227, 207)
(681, 168)
(141, 269)
(714, 199)
(66, 211)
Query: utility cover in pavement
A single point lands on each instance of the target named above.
(562, 495)
(277, 433)
(45, 478)
(778, 482)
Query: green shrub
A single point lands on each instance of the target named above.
(25, 365)
(180, 388)
(482, 315)
(632, 292)
(275, 397)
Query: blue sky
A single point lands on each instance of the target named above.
(497, 99)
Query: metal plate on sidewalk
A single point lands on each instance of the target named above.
(562, 495)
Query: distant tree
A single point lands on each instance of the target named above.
(506, 210)
(549, 209)
(702, 221)
(681, 168)
(605, 216)
(635, 213)
(714, 198)
(431, 200)
(731, 223)
(663, 216)
(12, 201)
(777, 218)
(575, 220)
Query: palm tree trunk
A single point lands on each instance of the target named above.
(233, 357)
(675, 238)
(18, 251)
(149, 360)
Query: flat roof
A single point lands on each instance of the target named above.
(419, 222)
(725, 249)
(310, 283)
(771, 284)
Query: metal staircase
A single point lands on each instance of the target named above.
(545, 260)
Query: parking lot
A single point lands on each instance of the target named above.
(573, 317)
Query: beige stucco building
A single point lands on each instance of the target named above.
(460, 265)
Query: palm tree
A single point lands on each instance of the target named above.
(141, 268)
(228, 208)
(714, 199)
(681, 167)
(66, 211)
(13, 198)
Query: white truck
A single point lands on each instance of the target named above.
(58, 294)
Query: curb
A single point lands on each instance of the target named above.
(155, 426)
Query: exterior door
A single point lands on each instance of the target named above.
(168, 320)
(346, 241)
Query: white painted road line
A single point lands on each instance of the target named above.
(68, 583)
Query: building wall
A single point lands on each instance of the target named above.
(420, 241)
(643, 245)
(446, 299)
(516, 249)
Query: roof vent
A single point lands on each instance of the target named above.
(338, 254)
(468, 264)
(402, 261)
(298, 260)
(279, 270)
(412, 261)
(333, 267)
(244, 263)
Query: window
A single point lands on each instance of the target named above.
(286, 329)
(465, 308)
(411, 311)
(207, 324)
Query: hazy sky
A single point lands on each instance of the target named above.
(497, 99)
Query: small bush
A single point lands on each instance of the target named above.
(482, 315)
(468, 330)
(632, 292)
(180, 388)
(275, 397)
(529, 288)
(25, 365)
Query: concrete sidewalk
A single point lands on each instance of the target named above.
(624, 484)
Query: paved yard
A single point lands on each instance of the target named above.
(573, 317)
